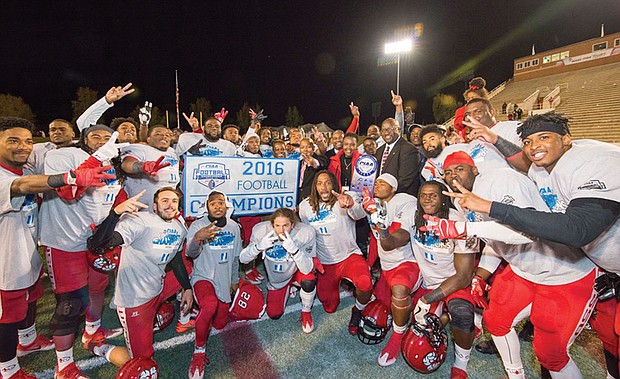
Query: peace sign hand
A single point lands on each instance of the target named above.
(114, 94)
(131, 205)
(469, 200)
(479, 130)
(207, 233)
(192, 121)
(355, 111)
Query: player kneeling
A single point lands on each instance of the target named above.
(150, 240)
(214, 242)
(287, 247)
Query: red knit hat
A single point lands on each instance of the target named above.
(458, 157)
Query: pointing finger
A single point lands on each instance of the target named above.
(454, 195)
(462, 189)
(127, 86)
(393, 94)
(138, 195)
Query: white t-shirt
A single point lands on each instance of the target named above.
(541, 261)
(335, 230)
(217, 258)
(211, 149)
(20, 265)
(67, 223)
(399, 206)
(279, 264)
(589, 169)
(149, 244)
(435, 257)
(166, 177)
(36, 160)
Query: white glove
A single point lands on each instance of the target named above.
(267, 241)
(288, 244)
(145, 113)
(379, 218)
(421, 309)
(110, 149)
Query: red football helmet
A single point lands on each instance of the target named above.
(424, 346)
(248, 303)
(138, 368)
(106, 262)
(375, 323)
(164, 317)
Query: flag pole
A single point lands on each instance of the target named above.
(176, 74)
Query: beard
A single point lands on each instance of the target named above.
(434, 153)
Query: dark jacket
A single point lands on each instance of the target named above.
(403, 162)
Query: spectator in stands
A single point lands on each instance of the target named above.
(476, 89)
(399, 158)
(518, 112)
(504, 106)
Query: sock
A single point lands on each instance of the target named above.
(28, 335)
(570, 371)
(92, 326)
(184, 319)
(509, 347)
(359, 305)
(200, 349)
(478, 320)
(9, 368)
(64, 358)
(399, 329)
(103, 350)
(307, 298)
(461, 357)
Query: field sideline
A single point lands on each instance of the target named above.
(277, 348)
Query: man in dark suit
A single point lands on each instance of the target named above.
(311, 163)
(399, 158)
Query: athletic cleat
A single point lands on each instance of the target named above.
(99, 337)
(307, 325)
(40, 343)
(354, 322)
(197, 365)
(292, 292)
(70, 372)
(487, 347)
(457, 373)
(253, 276)
(182, 328)
(390, 352)
(22, 375)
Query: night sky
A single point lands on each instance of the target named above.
(318, 56)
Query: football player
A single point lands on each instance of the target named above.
(207, 143)
(551, 282)
(149, 240)
(288, 248)
(214, 242)
(399, 269)
(21, 265)
(332, 214)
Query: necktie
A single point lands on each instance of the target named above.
(301, 173)
(386, 153)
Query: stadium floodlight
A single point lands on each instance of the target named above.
(398, 48)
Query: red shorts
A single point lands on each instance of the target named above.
(276, 299)
(405, 274)
(69, 271)
(14, 304)
(137, 323)
(558, 312)
(354, 269)
(603, 322)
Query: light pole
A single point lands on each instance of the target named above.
(398, 48)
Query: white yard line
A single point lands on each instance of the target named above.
(91, 363)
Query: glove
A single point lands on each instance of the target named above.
(257, 117)
(221, 115)
(195, 149)
(445, 229)
(421, 309)
(479, 290)
(151, 167)
(607, 286)
(110, 149)
(145, 113)
(88, 177)
(288, 244)
(379, 218)
(267, 241)
(369, 203)
(318, 265)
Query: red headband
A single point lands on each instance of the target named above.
(458, 157)
(474, 87)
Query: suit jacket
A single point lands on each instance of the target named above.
(309, 174)
(403, 162)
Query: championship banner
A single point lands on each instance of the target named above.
(255, 186)
(364, 173)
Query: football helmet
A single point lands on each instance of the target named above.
(107, 261)
(164, 317)
(248, 303)
(375, 323)
(424, 346)
(138, 368)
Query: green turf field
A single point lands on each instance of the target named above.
(278, 348)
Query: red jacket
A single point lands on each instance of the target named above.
(334, 164)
